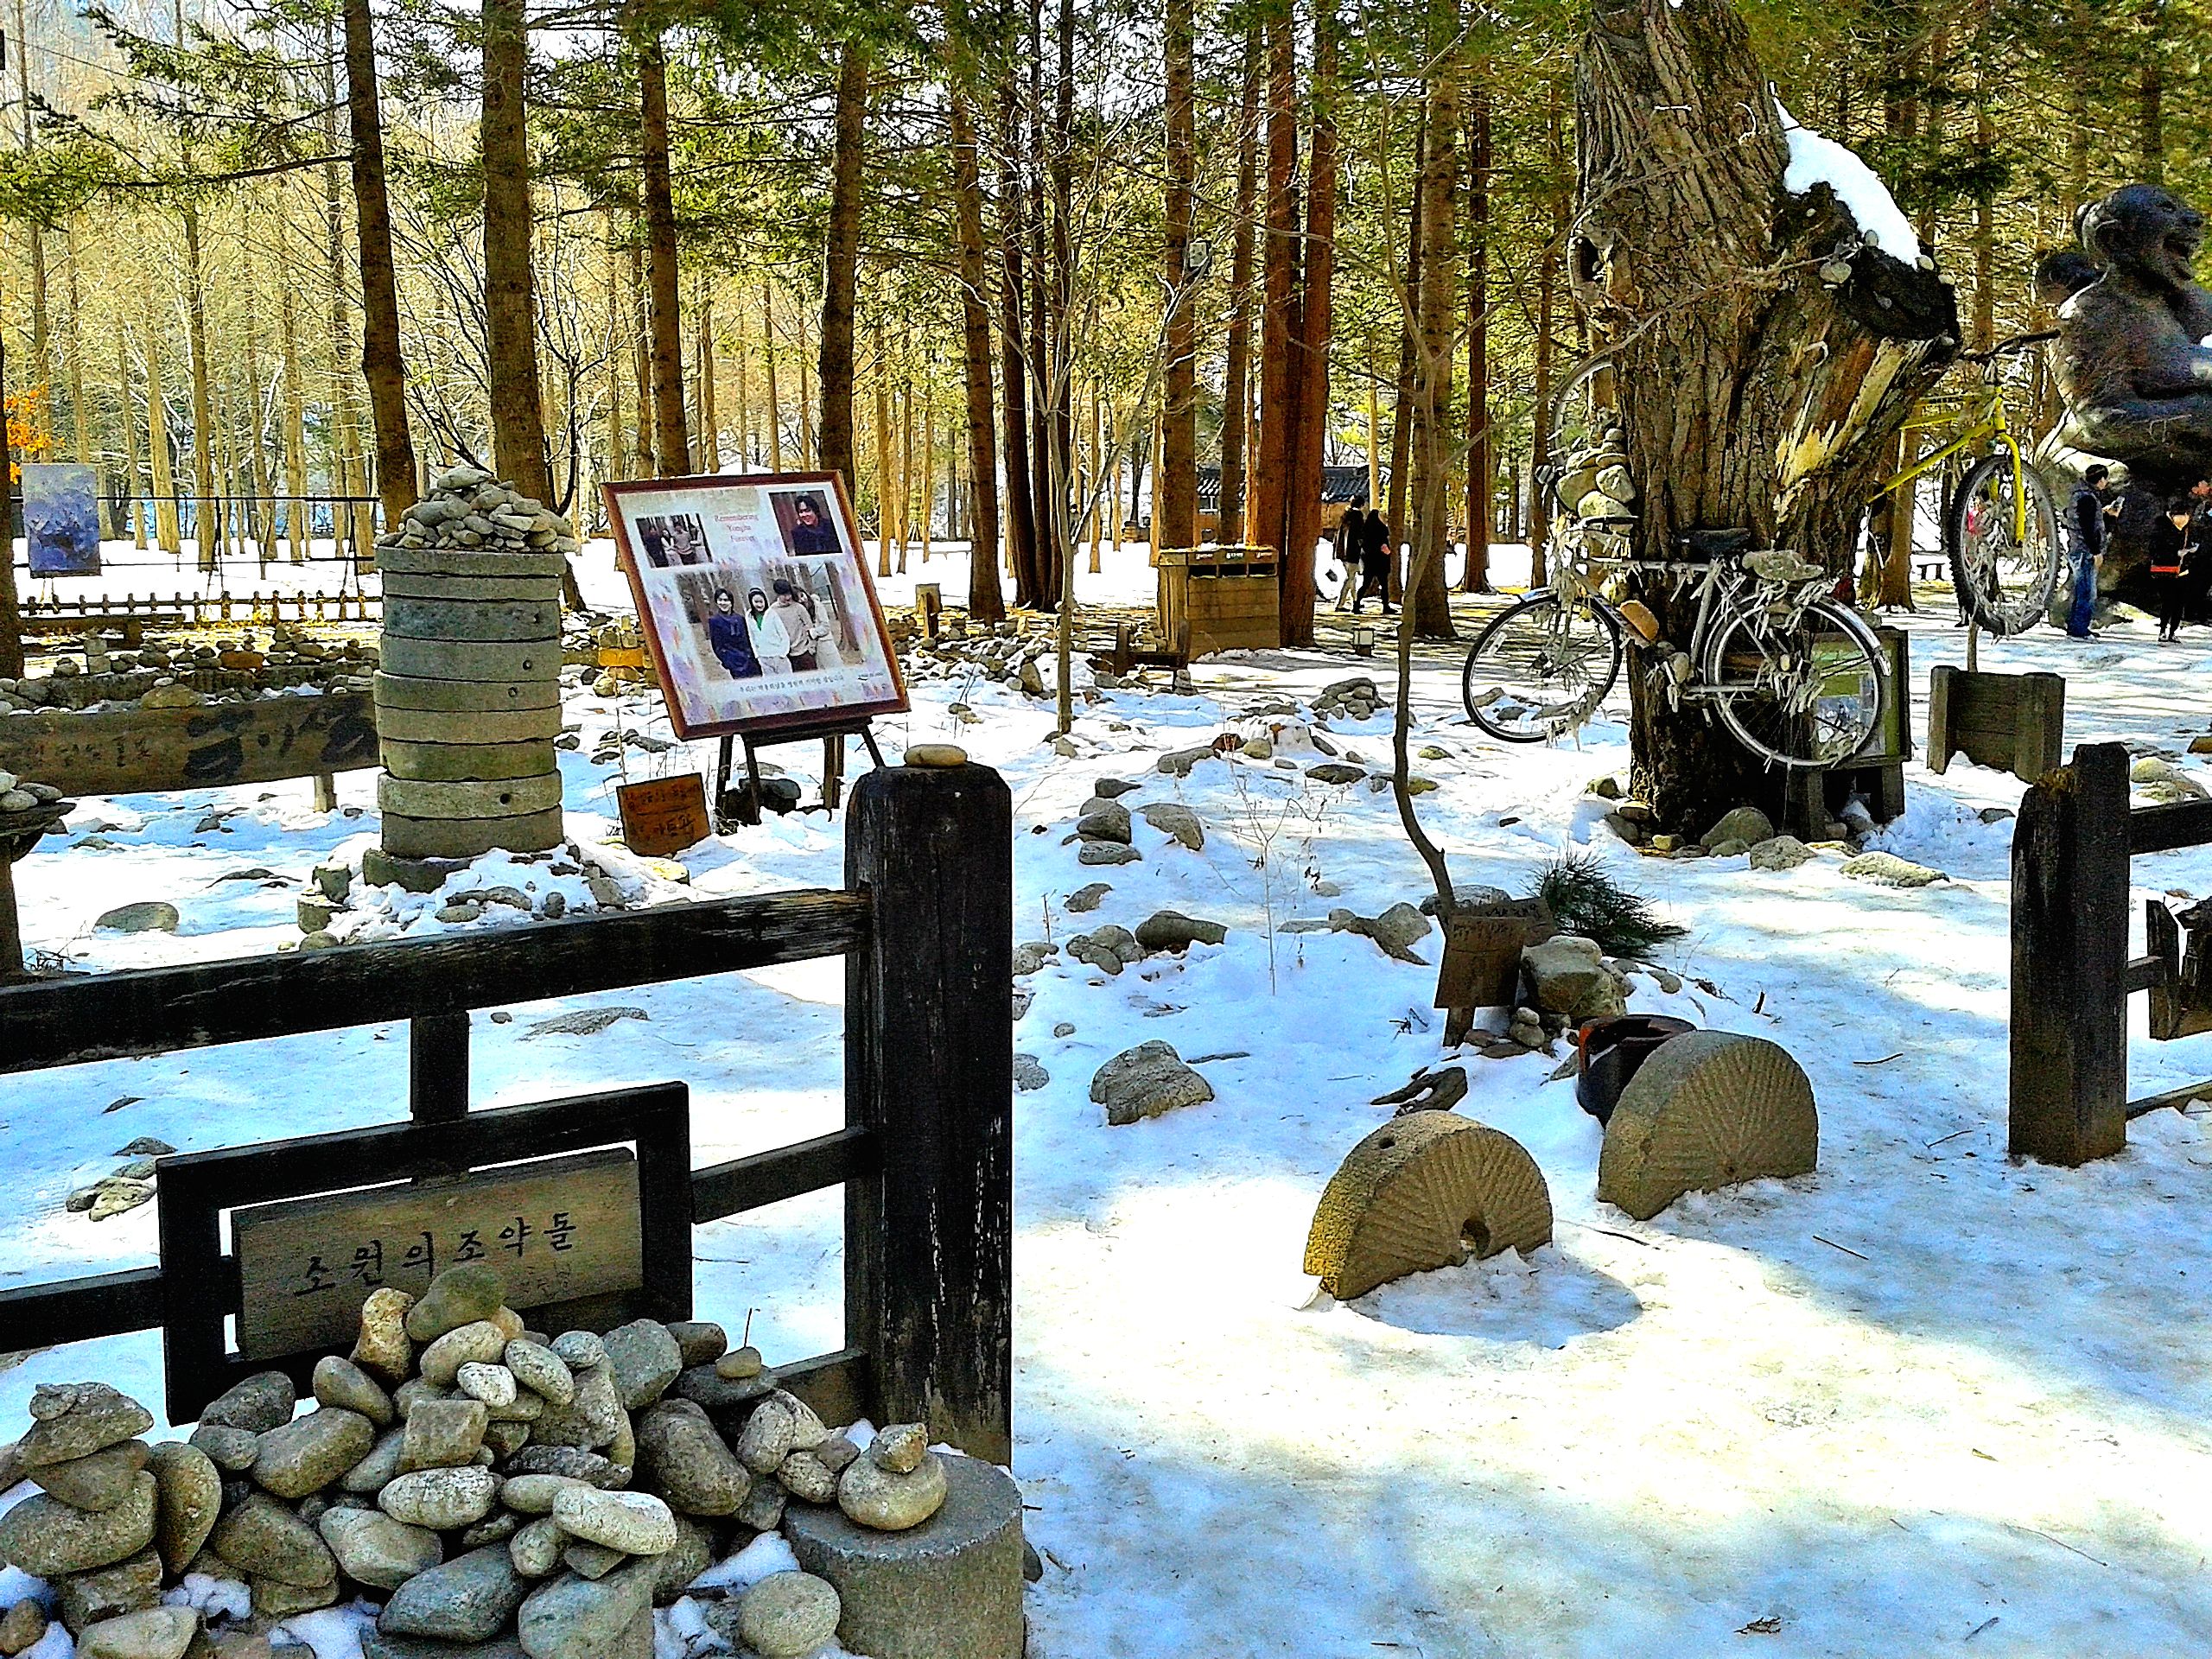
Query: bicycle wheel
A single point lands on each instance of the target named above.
(1805, 696)
(1540, 669)
(2004, 582)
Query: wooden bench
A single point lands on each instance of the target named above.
(1928, 569)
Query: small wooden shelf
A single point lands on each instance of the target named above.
(1220, 598)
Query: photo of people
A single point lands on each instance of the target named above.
(748, 629)
(808, 529)
(675, 538)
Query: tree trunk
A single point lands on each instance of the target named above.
(1474, 577)
(11, 622)
(1043, 399)
(1280, 322)
(2150, 97)
(509, 309)
(1539, 447)
(672, 442)
(1177, 487)
(879, 378)
(775, 407)
(1060, 350)
(1021, 505)
(711, 449)
(207, 514)
(351, 523)
(381, 364)
(906, 464)
(168, 533)
(1428, 601)
(130, 473)
(1402, 397)
(257, 458)
(638, 317)
(296, 426)
(986, 601)
(1235, 395)
(1310, 356)
(1752, 393)
(841, 265)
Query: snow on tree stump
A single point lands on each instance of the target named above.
(949, 1588)
(1708, 1110)
(468, 702)
(1426, 1190)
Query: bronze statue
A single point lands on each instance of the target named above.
(2134, 357)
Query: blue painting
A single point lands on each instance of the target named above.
(61, 518)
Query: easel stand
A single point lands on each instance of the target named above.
(742, 806)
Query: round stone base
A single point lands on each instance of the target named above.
(948, 1589)
(380, 869)
(531, 832)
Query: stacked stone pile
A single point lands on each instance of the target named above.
(468, 701)
(504, 1495)
(230, 670)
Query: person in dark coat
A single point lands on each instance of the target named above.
(1344, 545)
(1375, 564)
(728, 639)
(2174, 561)
(2085, 535)
(811, 530)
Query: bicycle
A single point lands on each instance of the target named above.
(2000, 524)
(1798, 679)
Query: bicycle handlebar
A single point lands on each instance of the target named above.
(2007, 347)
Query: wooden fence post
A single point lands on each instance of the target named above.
(929, 1067)
(2069, 961)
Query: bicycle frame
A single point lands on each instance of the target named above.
(1973, 418)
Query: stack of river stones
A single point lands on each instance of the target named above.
(472, 1475)
(468, 701)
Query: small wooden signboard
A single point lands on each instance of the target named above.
(558, 1230)
(662, 815)
(1481, 959)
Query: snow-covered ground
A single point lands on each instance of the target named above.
(1923, 1397)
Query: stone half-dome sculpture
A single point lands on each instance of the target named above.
(1706, 1109)
(1426, 1190)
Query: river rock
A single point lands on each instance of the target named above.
(147, 916)
(806, 1478)
(440, 1499)
(460, 1295)
(1172, 818)
(646, 1360)
(384, 1348)
(1107, 852)
(126, 1587)
(592, 1560)
(386, 1458)
(1146, 1081)
(308, 1454)
(1568, 976)
(577, 1618)
(588, 1420)
(763, 1508)
(374, 1550)
(469, 1599)
(341, 1383)
(21, 1626)
(495, 1528)
(637, 1523)
(874, 1496)
(1746, 824)
(494, 1385)
(1171, 930)
(274, 1599)
(264, 1540)
(155, 1633)
(258, 1404)
(696, 1550)
(232, 1449)
(98, 1482)
(189, 1493)
(901, 1448)
(480, 1342)
(75, 1420)
(580, 1350)
(788, 1616)
(46, 1538)
(681, 1457)
(1888, 870)
(709, 1386)
(541, 1371)
(534, 1494)
(572, 1461)
(1779, 853)
(701, 1342)
(1106, 821)
(444, 1433)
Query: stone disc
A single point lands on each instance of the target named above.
(422, 584)
(1424, 1191)
(407, 837)
(461, 659)
(488, 697)
(463, 762)
(467, 561)
(1708, 1110)
(440, 726)
(472, 619)
(503, 798)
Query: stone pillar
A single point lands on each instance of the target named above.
(468, 699)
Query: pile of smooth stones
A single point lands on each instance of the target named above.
(500, 1493)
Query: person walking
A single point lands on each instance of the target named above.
(1350, 530)
(2085, 527)
(1375, 564)
(2173, 559)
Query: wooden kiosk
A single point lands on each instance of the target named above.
(1219, 598)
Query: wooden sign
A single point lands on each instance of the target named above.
(663, 815)
(558, 1230)
(209, 746)
(1482, 952)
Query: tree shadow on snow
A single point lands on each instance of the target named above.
(1545, 1300)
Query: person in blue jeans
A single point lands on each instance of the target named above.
(2085, 525)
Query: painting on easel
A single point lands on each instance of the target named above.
(757, 606)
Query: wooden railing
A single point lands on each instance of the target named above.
(926, 926)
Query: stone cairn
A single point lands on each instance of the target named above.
(476, 1479)
(469, 700)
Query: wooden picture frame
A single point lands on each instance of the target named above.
(726, 698)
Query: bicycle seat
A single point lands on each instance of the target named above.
(1701, 546)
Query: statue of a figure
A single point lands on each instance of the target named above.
(2134, 356)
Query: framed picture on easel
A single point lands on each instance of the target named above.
(755, 603)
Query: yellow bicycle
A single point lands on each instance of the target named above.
(2000, 523)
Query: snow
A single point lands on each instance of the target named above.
(1817, 160)
(1881, 1405)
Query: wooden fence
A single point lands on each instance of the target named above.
(50, 614)
(2071, 973)
(925, 924)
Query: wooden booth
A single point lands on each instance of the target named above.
(1219, 599)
